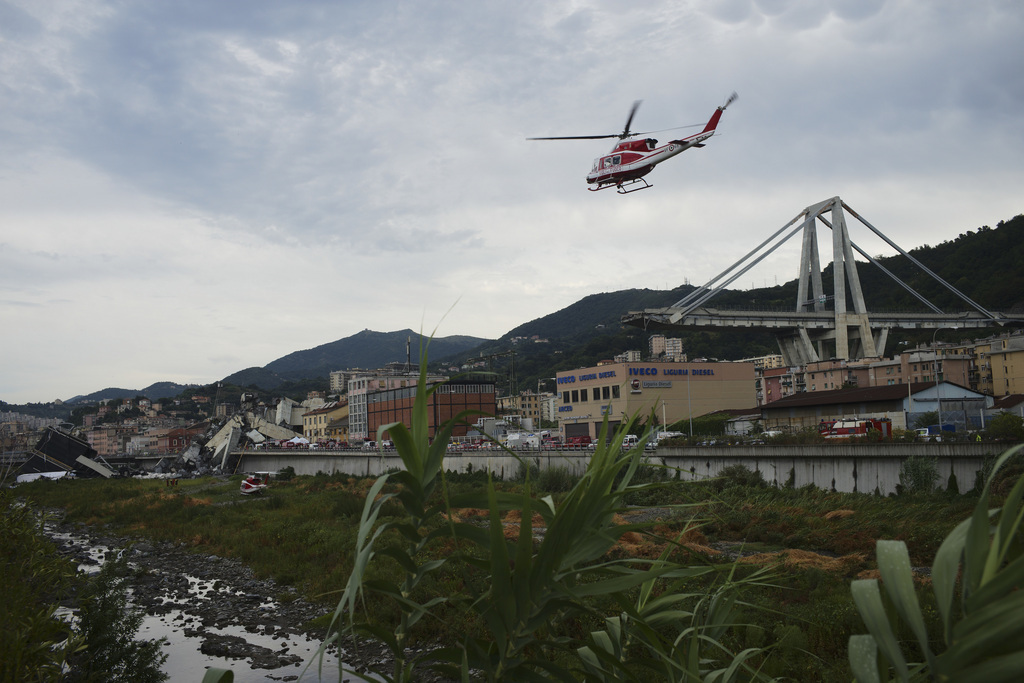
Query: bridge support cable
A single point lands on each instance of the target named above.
(704, 293)
(920, 265)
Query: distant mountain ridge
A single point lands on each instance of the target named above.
(154, 392)
(364, 350)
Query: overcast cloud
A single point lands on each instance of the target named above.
(191, 188)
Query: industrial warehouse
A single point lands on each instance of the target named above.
(673, 391)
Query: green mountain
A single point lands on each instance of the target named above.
(366, 349)
(154, 392)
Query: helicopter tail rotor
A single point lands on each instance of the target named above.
(732, 98)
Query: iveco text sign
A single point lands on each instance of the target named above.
(669, 372)
(649, 371)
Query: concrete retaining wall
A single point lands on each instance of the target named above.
(864, 468)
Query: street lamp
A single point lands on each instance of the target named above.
(935, 352)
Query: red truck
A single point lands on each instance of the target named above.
(854, 427)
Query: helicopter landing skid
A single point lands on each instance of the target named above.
(621, 187)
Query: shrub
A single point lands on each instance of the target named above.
(739, 475)
(108, 624)
(555, 480)
(918, 475)
(1006, 427)
(926, 419)
(34, 578)
(528, 470)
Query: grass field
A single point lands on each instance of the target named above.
(303, 533)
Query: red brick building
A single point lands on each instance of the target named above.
(448, 400)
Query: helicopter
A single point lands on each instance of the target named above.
(630, 160)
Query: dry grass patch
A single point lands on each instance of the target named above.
(805, 559)
(839, 514)
(515, 516)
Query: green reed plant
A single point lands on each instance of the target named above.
(977, 579)
(676, 632)
(423, 460)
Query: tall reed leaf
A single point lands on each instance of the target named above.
(984, 633)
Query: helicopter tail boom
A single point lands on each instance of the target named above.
(709, 129)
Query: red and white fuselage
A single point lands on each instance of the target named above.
(630, 160)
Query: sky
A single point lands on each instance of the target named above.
(192, 188)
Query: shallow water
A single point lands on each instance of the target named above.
(186, 662)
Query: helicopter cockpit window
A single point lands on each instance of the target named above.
(612, 161)
(651, 143)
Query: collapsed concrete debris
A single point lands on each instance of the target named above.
(241, 429)
(61, 454)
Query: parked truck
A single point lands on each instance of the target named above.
(522, 440)
(934, 433)
(851, 428)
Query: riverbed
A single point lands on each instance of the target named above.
(214, 612)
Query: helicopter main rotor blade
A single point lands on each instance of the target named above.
(579, 137)
(632, 113)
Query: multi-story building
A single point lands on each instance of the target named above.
(656, 346)
(315, 423)
(475, 394)
(829, 375)
(339, 381)
(673, 391)
(360, 386)
(110, 440)
(526, 408)
(772, 361)
(931, 366)
(775, 383)
(674, 350)
(631, 356)
(669, 348)
(1006, 364)
(176, 440)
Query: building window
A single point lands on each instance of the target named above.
(575, 396)
(605, 392)
(615, 391)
